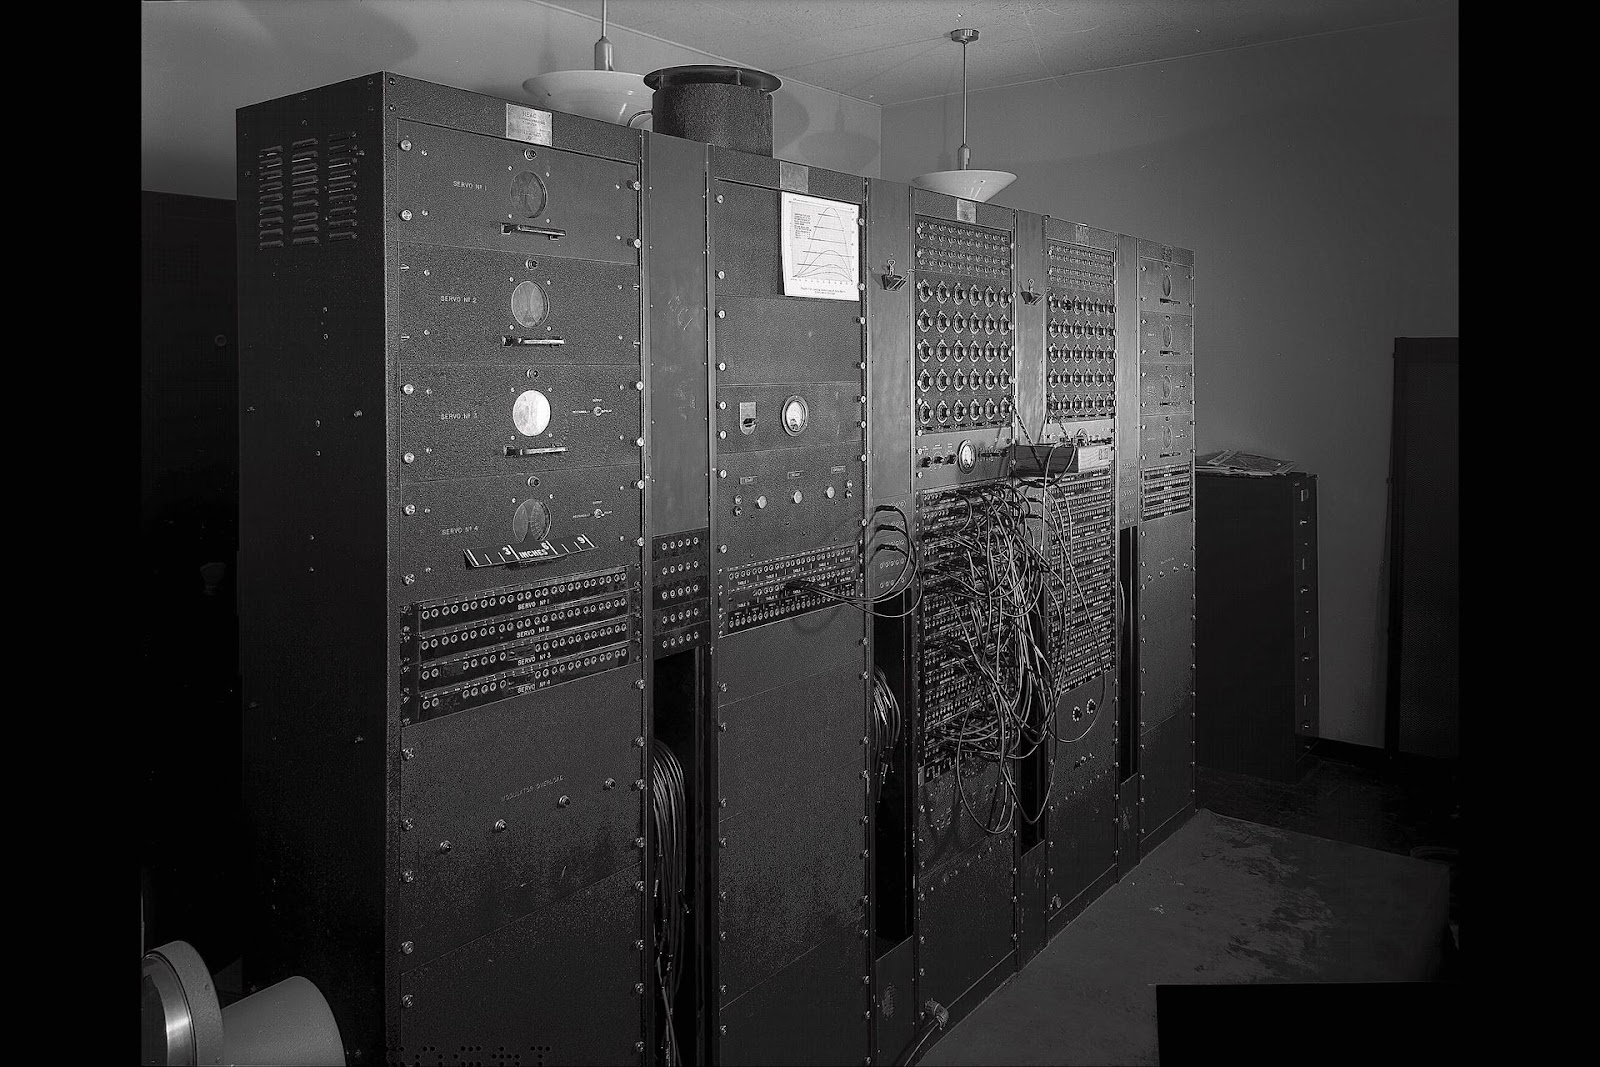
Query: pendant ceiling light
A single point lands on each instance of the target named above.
(601, 93)
(964, 182)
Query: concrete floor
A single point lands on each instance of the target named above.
(1221, 901)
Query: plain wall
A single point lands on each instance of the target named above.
(202, 61)
(1316, 182)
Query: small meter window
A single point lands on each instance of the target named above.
(966, 456)
(796, 415)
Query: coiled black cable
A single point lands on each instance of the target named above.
(668, 807)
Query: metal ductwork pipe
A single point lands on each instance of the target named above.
(730, 107)
(288, 1024)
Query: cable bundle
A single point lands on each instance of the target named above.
(1014, 608)
(668, 806)
(905, 579)
(887, 722)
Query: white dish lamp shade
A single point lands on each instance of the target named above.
(609, 95)
(977, 185)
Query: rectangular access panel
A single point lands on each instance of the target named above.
(441, 569)
(1163, 610)
(1256, 622)
(790, 865)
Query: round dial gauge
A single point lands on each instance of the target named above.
(796, 415)
(528, 303)
(531, 519)
(966, 456)
(527, 194)
(531, 413)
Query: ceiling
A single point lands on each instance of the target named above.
(895, 51)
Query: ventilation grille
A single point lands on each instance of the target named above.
(307, 194)
(340, 187)
(1165, 491)
(269, 197)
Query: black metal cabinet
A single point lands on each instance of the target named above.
(1256, 622)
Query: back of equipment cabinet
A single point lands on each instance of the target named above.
(696, 608)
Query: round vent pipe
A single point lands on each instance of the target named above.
(726, 106)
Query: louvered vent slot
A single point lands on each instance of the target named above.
(1165, 491)
(269, 197)
(305, 192)
(340, 187)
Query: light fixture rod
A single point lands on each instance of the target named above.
(963, 36)
(602, 47)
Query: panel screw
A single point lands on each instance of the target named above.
(721, 314)
(406, 824)
(444, 846)
(406, 947)
(639, 741)
(408, 753)
(408, 389)
(610, 783)
(563, 801)
(634, 185)
(405, 1000)
(410, 457)
(722, 687)
(499, 825)
(639, 683)
(639, 484)
(408, 877)
(639, 441)
(528, 153)
(639, 944)
(406, 215)
(405, 144)
(636, 242)
(719, 198)
(638, 842)
(410, 509)
(638, 783)
(638, 987)
(638, 886)
(638, 1046)
(409, 580)
(722, 842)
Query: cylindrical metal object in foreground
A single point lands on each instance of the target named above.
(289, 1023)
(726, 106)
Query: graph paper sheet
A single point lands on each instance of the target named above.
(821, 247)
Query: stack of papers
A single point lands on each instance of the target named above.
(1231, 461)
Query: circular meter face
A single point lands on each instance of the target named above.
(531, 413)
(966, 456)
(528, 303)
(796, 416)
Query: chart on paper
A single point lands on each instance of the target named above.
(821, 247)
